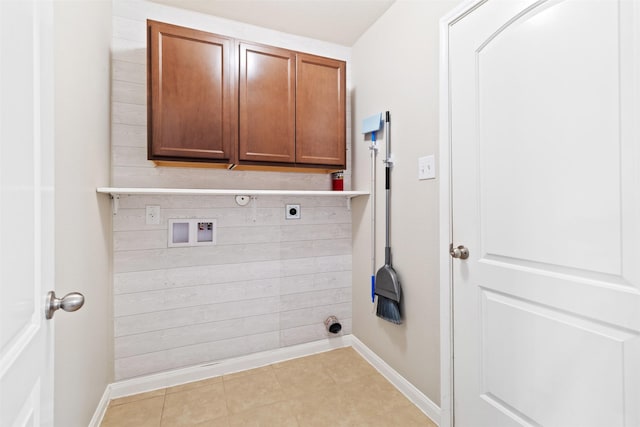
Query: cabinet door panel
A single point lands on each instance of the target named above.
(320, 111)
(267, 104)
(191, 108)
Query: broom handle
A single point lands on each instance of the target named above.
(387, 187)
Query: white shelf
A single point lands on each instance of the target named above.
(116, 192)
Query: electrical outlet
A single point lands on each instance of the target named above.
(427, 167)
(292, 212)
(153, 215)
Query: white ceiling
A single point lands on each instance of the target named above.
(336, 21)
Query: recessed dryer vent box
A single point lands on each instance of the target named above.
(191, 232)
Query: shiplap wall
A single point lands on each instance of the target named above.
(268, 282)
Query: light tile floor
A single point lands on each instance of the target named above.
(336, 388)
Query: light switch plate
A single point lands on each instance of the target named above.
(427, 167)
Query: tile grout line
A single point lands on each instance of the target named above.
(226, 400)
(164, 402)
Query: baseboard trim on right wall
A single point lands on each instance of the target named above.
(418, 398)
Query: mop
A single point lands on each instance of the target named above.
(372, 125)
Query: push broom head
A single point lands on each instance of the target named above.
(389, 292)
(388, 310)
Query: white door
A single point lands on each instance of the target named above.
(26, 212)
(545, 157)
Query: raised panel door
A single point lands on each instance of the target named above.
(320, 111)
(545, 169)
(26, 212)
(192, 112)
(267, 104)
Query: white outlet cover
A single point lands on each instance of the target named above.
(292, 212)
(191, 232)
(153, 215)
(427, 167)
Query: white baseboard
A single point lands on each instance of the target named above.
(98, 415)
(418, 398)
(224, 367)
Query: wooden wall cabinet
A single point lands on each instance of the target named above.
(282, 108)
(292, 107)
(320, 111)
(267, 104)
(191, 104)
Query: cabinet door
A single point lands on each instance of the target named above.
(320, 111)
(267, 104)
(190, 83)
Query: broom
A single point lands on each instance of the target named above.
(387, 285)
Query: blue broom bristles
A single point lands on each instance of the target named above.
(388, 310)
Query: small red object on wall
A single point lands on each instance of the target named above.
(337, 180)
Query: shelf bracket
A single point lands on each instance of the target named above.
(254, 208)
(116, 203)
(348, 203)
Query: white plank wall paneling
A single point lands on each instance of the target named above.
(268, 283)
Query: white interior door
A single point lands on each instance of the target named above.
(545, 157)
(26, 212)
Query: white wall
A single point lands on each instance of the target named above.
(83, 340)
(269, 283)
(395, 68)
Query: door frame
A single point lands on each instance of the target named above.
(445, 217)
